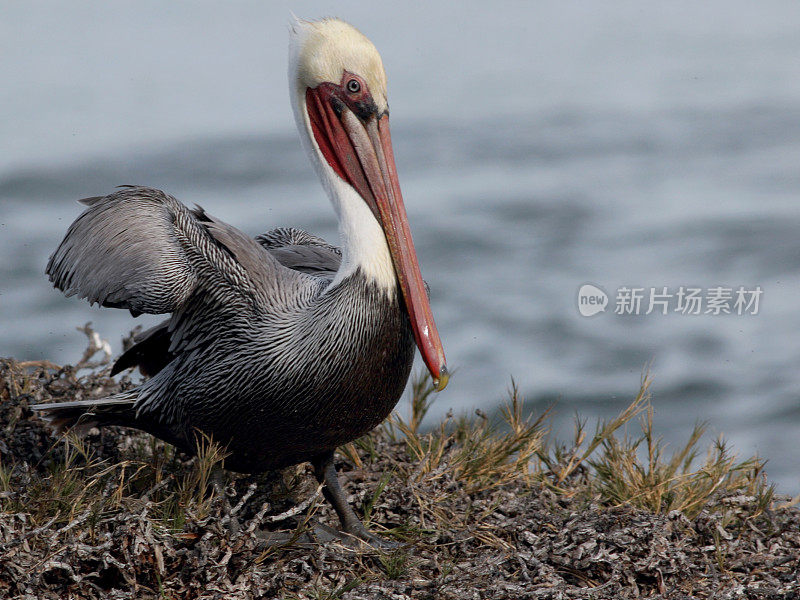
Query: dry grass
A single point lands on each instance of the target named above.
(481, 454)
(611, 466)
(561, 463)
(78, 487)
(478, 453)
(465, 493)
(661, 484)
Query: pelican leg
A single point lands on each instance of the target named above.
(352, 525)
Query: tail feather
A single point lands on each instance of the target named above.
(82, 415)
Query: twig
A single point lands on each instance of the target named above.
(31, 534)
(295, 510)
(44, 364)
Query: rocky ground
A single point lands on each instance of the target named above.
(118, 515)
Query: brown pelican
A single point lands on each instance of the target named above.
(282, 347)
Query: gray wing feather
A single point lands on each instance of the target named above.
(141, 249)
(300, 251)
(251, 268)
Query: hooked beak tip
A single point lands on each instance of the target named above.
(440, 382)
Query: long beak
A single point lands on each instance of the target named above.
(361, 153)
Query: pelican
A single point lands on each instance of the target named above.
(283, 347)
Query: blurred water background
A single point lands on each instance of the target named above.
(540, 147)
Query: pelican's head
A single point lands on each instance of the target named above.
(328, 50)
(339, 97)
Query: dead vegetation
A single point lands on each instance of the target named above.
(489, 508)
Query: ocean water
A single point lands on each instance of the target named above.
(540, 148)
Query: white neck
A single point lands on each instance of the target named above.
(363, 240)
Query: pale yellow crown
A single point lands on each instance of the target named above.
(323, 50)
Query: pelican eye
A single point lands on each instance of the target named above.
(353, 86)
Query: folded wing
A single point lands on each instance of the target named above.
(292, 248)
(300, 251)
